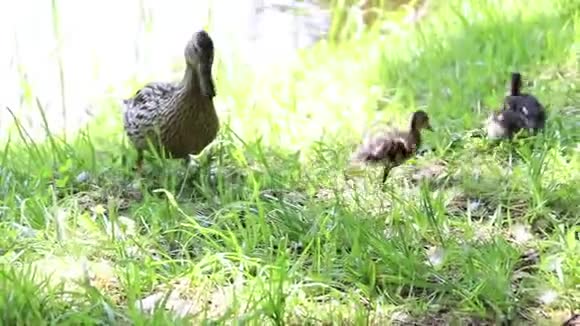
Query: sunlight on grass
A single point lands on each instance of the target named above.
(266, 228)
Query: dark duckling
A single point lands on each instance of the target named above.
(182, 113)
(526, 104)
(393, 147)
(505, 124)
(519, 111)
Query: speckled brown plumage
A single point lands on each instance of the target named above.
(178, 118)
(391, 148)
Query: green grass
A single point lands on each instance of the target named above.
(266, 229)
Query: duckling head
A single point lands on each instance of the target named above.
(199, 54)
(420, 120)
(504, 124)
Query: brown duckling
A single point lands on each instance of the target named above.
(527, 104)
(393, 147)
(179, 118)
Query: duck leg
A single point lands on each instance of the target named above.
(139, 163)
(186, 161)
(386, 171)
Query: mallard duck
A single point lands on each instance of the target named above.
(527, 104)
(179, 118)
(393, 147)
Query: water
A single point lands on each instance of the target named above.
(106, 44)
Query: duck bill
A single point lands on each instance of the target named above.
(206, 80)
(429, 127)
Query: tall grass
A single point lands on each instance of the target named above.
(57, 36)
(265, 228)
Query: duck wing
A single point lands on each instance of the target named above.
(143, 108)
(391, 147)
(144, 105)
(150, 96)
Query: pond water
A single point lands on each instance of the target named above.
(104, 44)
(273, 29)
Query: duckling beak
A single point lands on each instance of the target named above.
(206, 80)
(429, 127)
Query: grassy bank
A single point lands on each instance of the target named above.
(266, 229)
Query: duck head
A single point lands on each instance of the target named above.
(420, 120)
(199, 56)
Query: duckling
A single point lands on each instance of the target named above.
(392, 148)
(519, 111)
(179, 118)
(505, 124)
(526, 104)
